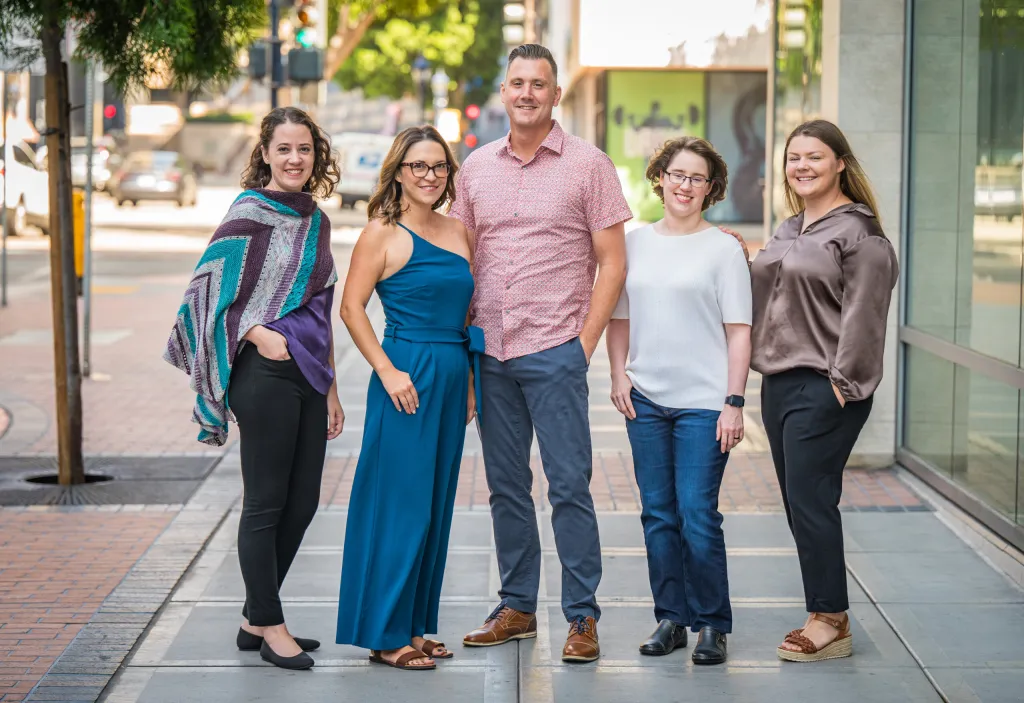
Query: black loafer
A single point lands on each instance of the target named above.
(248, 642)
(711, 646)
(298, 662)
(667, 637)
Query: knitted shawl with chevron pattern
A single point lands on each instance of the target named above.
(269, 256)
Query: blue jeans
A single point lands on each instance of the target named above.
(679, 466)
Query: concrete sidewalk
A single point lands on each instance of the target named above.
(929, 613)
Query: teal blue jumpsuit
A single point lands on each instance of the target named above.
(403, 494)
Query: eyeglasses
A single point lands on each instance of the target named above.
(680, 178)
(419, 169)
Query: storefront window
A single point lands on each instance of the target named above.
(966, 426)
(967, 148)
(964, 263)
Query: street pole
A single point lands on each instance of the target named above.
(3, 210)
(90, 107)
(276, 69)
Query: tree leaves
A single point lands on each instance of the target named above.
(463, 36)
(197, 41)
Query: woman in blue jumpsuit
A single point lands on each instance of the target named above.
(419, 401)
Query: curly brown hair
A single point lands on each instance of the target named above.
(718, 172)
(386, 201)
(326, 173)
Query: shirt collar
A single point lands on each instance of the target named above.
(553, 142)
(798, 221)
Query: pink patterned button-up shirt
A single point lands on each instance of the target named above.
(534, 260)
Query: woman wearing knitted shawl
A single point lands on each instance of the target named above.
(254, 333)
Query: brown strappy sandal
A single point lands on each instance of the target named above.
(841, 646)
(431, 646)
(402, 662)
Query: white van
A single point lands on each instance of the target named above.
(361, 156)
(28, 188)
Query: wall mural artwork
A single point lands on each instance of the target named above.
(648, 108)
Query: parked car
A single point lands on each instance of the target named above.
(361, 155)
(155, 175)
(105, 161)
(27, 188)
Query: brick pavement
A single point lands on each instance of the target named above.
(56, 567)
(750, 485)
(135, 403)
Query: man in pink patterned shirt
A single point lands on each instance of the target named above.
(545, 211)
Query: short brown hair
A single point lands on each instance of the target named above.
(386, 201)
(533, 52)
(718, 172)
(326, 173)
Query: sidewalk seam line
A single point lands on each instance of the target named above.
(899, 635)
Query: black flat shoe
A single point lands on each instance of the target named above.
(248, 642)
(667, 637)
(710, 648)
(298, 662)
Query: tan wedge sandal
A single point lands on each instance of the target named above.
(841, 646)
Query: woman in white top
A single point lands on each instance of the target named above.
(679, 345)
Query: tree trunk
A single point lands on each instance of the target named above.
(67, 369)
(346, 38)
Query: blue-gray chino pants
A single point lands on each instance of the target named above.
(546, 392)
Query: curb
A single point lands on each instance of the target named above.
(84, 669)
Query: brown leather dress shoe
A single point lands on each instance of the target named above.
(501, 626)
(581, 645)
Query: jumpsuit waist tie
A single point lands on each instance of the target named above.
(471, 336)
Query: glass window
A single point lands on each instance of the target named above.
(928, 416)
(966, 236)
(987, 464)
(967, 426)
(1020, 460)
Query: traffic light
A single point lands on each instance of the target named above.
(306, 16)
(472, 113)
(306, 65)
(258, 59)
(113, 109)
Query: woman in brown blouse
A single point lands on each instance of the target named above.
(821, 291)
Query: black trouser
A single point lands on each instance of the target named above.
(282, 423)
(811, 437)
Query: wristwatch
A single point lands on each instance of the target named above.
(734, 400)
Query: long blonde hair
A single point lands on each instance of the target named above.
(852, 180)
(386, 201)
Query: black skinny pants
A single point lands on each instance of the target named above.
(811, 436)
(282, 423)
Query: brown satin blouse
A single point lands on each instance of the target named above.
(821, 299)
